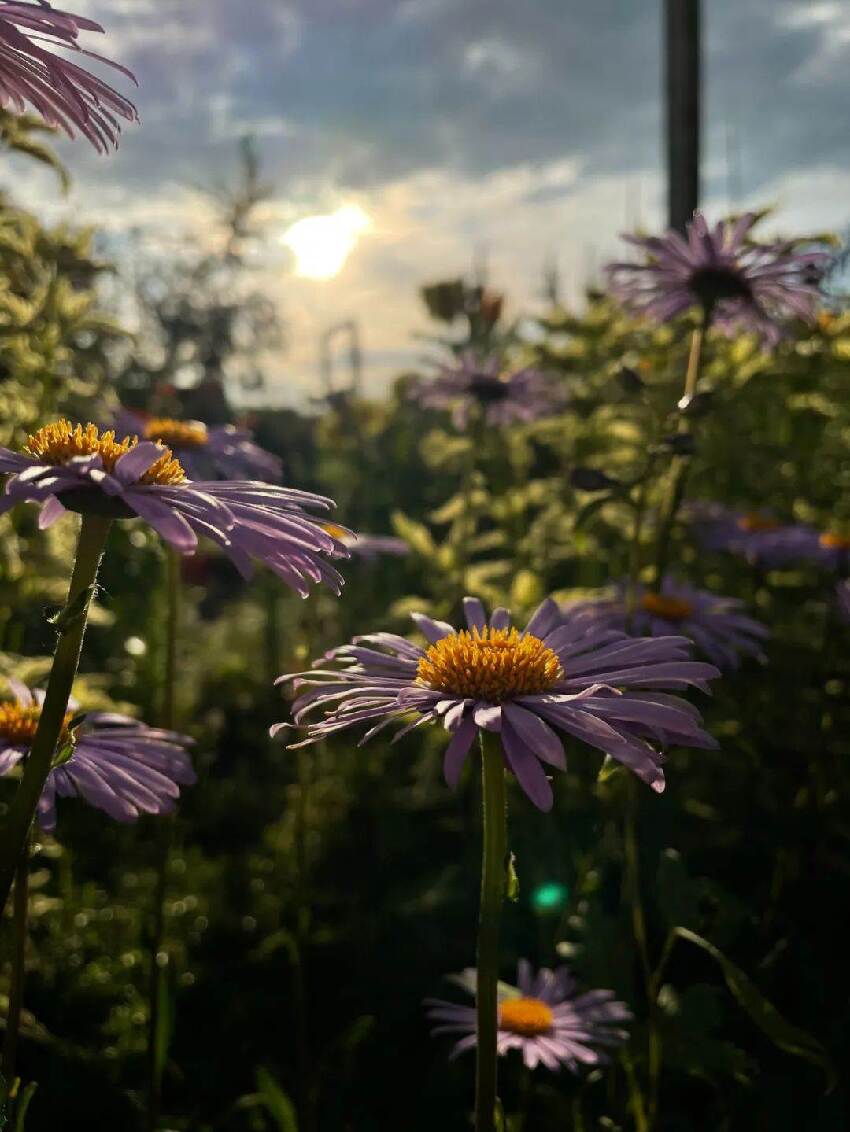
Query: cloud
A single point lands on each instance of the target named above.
(526, 130)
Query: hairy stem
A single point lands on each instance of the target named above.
(159, 957)
(493, 856)
(71, 625)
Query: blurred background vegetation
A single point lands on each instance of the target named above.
(315, 897)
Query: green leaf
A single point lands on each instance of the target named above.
(276, 1101)
(765, 1015)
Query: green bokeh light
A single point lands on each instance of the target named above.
(549, 897)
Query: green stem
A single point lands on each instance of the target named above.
(71, 626)
(493, 857)
(19, 955)
(667, 521)
(157, 954)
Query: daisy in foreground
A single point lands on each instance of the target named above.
(111, 761)
(478, 387)
(544, 1017)
(561, 672)
(78, 468)
(65, 467)
(739, 284)
(205, 452)
(716, 625)
(64, 94)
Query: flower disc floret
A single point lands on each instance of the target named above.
(59, 443)
(753, 523)
(177, 434)
(831, 541)
(526, 1016)
(490, 664)
(18, 725)
(670, 608)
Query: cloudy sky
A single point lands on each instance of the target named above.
(441, 131)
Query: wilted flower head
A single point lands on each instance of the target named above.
(478, 387)
(205, 452)
(81, 469)
(560, 673)
(111, 761)
(754, 535)
(745, 285)
(544, 1017)
(717, 625)
(64, 94)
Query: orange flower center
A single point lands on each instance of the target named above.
(489, 664)
(18, 725)
(60, 442)
(754, 523)
(176, 434)
(526, 1016)
(831, 541)
(670, 608)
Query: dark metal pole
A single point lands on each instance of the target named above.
(683, 90)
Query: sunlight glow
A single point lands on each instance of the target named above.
(322, 244)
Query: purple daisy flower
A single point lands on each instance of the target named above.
(205, 452)
(477, 386)
(744, 285)
(64, 94)
(754, 535)
(562, 672)
(544, 1016)
(113, 762)
(79, 469)
(717, 625)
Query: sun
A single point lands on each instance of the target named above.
(322, 244)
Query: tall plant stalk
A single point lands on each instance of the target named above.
(20, 920)
(493, 857)
(168, 716)
(676, 494)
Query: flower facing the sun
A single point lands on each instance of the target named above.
(111, 761)
(477, 387)
(717, 625)
(66, 467)
(205, 452)
(743, 285)
(561, 673)
(544, 1016)
(62, 92)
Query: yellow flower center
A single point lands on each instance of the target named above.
(60, 442)
(176, 434)
(526, 1016)
(18, 725)
(670, 608)
(754, 523)
(832, 541)
(489, 664)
